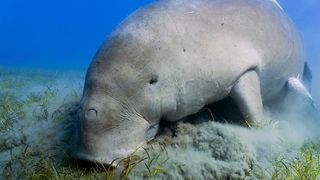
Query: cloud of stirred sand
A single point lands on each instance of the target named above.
(220, 151)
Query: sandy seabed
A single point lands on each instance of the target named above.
(38, 111)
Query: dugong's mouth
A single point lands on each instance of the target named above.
(100, 159)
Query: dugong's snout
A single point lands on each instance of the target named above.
(110, 134)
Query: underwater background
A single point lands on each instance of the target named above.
(66, 34)
(45, 49)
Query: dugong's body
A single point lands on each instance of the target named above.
(171, 58)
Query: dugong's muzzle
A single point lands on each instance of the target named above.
(109, 138)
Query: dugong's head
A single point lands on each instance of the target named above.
(126, 94)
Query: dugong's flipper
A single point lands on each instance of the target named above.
(247, 95)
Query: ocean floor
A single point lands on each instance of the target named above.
(38, 109)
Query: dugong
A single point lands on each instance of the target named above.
(170, 58)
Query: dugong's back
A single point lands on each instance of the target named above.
(221, 38)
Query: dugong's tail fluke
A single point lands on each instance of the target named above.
(307, 76)
(297, 87)
(307, 81)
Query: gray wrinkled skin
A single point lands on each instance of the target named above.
(170, 58)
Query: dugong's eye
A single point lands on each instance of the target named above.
(153, 80)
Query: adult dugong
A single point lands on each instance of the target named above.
(171, 58)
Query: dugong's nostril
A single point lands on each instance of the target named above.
(91, 114)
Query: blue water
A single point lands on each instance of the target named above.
(67, 33)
